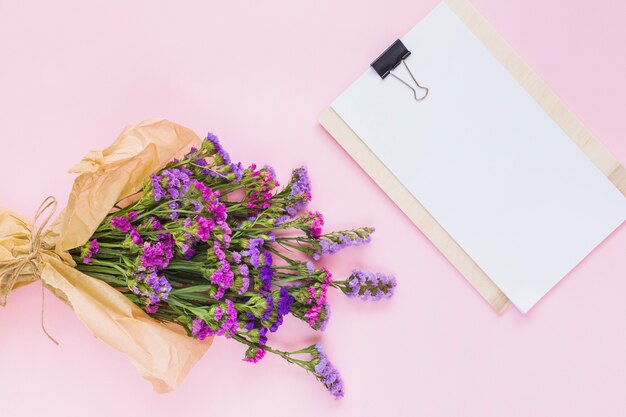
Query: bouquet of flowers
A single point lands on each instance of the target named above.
(199, 243)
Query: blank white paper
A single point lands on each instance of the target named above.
(479, 154)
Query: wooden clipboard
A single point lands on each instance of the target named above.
(537, 89)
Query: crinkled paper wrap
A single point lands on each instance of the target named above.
(163, 354)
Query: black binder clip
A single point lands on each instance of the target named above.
(390, 59)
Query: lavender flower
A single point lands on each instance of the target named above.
(223, 276)
(173, 206)
(200, 330)
(152, 287)
(221, 156)
(367, 285)
(327, 373)
(245, 281)
(196, 205)
(324, 316)
(334, 242)
(187, 246)
(253, 253)
(270, 307)
(299, 191)
(157, 189)
(171, 183)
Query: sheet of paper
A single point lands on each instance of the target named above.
(485, 160)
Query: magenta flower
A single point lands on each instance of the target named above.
(315, 227)
(121, 223)
(254, 354)
(89, 251)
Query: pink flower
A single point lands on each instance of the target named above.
(258, 355)
(317, 221)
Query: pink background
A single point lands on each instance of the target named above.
(258, 74)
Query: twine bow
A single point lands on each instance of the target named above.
(10, 270)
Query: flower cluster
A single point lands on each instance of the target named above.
(334, 242)
(222, 251)
(299, 191)
(89, 250)
(327, 373)
(368, 285)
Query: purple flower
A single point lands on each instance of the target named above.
(266, 273)
(155, 224)
(173, 214)
(230, 325)
(250, 321)
(262, 336)
(334, 242)
(276, 324)
(197, 206)
(205, 227)
(157, 254)
(207, 194)
(284, 302)
(367, 285)
(269, 309)
(152, 308)
(300, 191)
(187, 247)
(245, 275)
(171, 183)
(200, 330)
(121, 223)
(189, 155)
(136, 237)
(325, 316)
(152, 287)
(327, 373)
(89, 251)
(281, 220)
(158, 191)
(238, 171)
(218, 313)
(223, 276)
(222, 157)
(261, 193)
(253, 252)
